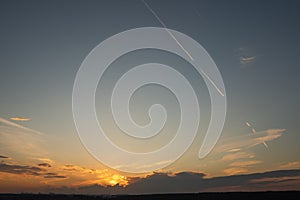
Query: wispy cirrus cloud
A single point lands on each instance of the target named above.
(245, 163)
(236, 156)
(242, 142)
(20, 141)
(235, 170)
(234, 153)
(6, 123)
(290, 165)
(19, 119)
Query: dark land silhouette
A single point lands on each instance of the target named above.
(285, 195)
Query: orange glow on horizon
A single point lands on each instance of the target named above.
(118, 179)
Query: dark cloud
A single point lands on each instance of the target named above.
(20, 169)
(165, 183)
(3, 156)
(241, 179)
(44, 165)
(196, 182)
(50, 174)
(29, 170)
(183, 182)
(54, 176)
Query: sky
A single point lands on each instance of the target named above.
(255, 45)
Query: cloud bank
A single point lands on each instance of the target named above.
(159, 183)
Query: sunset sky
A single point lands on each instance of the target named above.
(255, 45)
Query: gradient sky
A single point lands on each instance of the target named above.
(255, 45)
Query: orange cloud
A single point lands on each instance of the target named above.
(235, 156)
(235, 170)
(19, 119)
(245, 163)
(247, 141)
(46, 160)
(291, 165)
(82, 176)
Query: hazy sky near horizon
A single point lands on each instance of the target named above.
(255, 45)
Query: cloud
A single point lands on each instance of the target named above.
(75, 168)
(235, 170)
(19, 119)
(247, 141)
(246, 57)
(245, 163)
(20, 141)
(291, 165)
(44, 165)
(6, 123)
(196, 182)
(28, 144)
(75, 179)
(49, 175)
(276, 179)
(234, 150)
(54, 175)
(3, 156)
(140, 167)
(236, 156)
(240, 167)
(47, 160)
(20, 169)
(28, 170)
(247, 60)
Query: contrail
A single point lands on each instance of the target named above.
(254, 131)
(4, 121)
(265, 144)
(164, 25)
(180, 45)
(221, 93)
